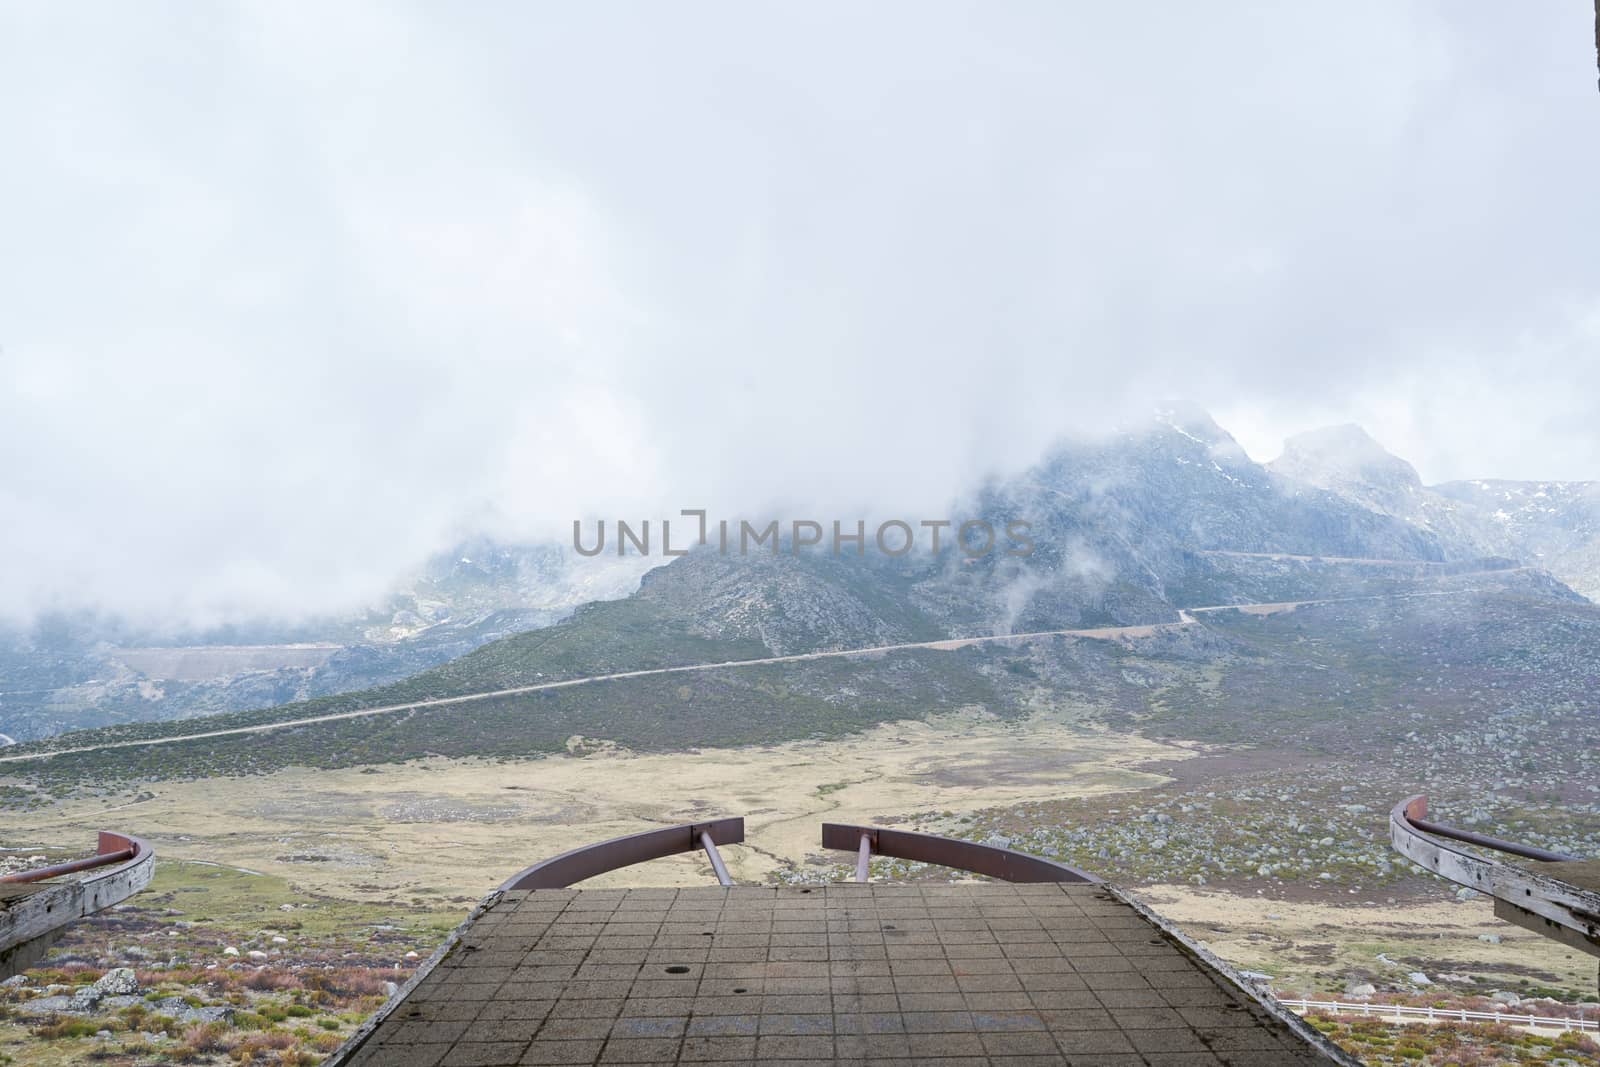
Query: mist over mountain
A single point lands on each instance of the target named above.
(75, 670)
(1551, 525)
(1125, 529)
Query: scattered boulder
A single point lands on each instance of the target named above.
(230, 951)
(1489, 939)
(1418, 978)
(14, 981)
(52, 1005)
(1361, 989)
(218, 1014)
(117, 982)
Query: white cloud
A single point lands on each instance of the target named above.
(291, 295)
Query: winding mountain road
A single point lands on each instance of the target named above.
(1185, 618)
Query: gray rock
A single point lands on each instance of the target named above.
(119, 982)
(1362, 989)
(1489, 939)
(14, 981)
(1464, 894)
(185, 1013)
(1418, 978)
(45, 1006)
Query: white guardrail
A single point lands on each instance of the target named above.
(1402, 1012)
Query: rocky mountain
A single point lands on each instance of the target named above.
(1117, 527)
(1124, 530)
(1551, 525)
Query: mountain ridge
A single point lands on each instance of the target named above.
(1127, 530)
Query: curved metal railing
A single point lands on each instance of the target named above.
(561, 871)
(1415, 809)
(111, 848)
(991, 860)
(39, 909)
(576, 865)
(1535, 898)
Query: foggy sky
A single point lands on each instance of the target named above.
(293, 294)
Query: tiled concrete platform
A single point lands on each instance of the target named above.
(986, 973)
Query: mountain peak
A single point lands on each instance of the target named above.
(1341, 457)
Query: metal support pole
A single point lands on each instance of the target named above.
(715, 857)
(864, 858)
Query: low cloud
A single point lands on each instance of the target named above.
(291, 297)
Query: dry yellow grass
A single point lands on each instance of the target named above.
(458, 827)
(1304, 943)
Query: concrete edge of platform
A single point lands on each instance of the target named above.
(355, 1041)
(1301, 1028)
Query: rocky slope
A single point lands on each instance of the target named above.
(1551, 525)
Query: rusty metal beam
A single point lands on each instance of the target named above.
(1417, 807)
(558, 872)
(39, 874)
(1002, 863)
